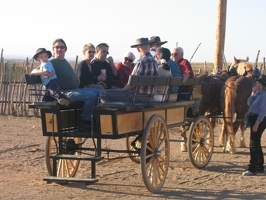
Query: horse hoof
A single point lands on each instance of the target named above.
(183, 147)
(242, 144)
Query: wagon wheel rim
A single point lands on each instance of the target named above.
(155, 150)
(200, 142)
(135, 157)
(65, 167)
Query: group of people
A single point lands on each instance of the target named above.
(98, 73)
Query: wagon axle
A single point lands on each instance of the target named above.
(202, 142)
(69, 146)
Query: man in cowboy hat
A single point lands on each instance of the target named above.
(48, 77)
(155, 42)
(145, 66)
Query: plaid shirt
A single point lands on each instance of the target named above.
(146, 66)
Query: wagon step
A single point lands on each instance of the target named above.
(76, 157)
(62, 180)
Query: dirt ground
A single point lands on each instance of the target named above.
(23, 169)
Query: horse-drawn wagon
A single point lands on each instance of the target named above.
(144, 125)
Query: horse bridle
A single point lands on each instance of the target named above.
(235, 70)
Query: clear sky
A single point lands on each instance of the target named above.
(29, 24)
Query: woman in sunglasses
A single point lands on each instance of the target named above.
(124, 69)
(85, 75)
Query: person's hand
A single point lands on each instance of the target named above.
(35, 71)
(110, 60)
(185, 77)
(254, 89)
(101, 77)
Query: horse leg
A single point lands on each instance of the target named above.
(183, 144)
(223, 140)
(230, 136)
(230, 144)
(213, 122)
(223, 135)
(242, 142)
(240, 123)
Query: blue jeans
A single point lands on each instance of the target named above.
(87, 95)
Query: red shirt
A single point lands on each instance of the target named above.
(185, 68)
(123, 74)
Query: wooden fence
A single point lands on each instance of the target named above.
(14, 98)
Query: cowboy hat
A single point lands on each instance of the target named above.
(262, 80)
(156, 39)
(42, 50)
(141, 42)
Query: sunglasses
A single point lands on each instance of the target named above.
(128, 59)
(91, 51)
(175, 54)
(59, 47)
(105, 51)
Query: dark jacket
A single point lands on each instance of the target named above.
(97, 65)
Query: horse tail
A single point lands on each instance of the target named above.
(230, 97)
(229, 109)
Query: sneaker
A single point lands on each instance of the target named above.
(249, 173)
(63, 102)
(260, 170)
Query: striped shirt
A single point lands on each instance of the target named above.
(146, 66)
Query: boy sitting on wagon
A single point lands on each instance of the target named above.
(49, 79)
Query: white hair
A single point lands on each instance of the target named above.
(180, 50)
(129, 55)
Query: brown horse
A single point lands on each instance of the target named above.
(210, 99)
(240, 67)
(226, 96)
(235, 93)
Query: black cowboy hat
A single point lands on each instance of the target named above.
(262, 80)
(42, 50)
(141, 42)
(156, 39)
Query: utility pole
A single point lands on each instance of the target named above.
(220, 34)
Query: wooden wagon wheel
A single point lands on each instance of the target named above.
(155, 150)
(65, 167)
(135, 157)
(200, 142)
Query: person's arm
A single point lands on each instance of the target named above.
(262, 107)
(128, 87)
(252, 96)
(111, 62)
(78, 80)
(188, 72)
(39, 72)
(185, 77)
